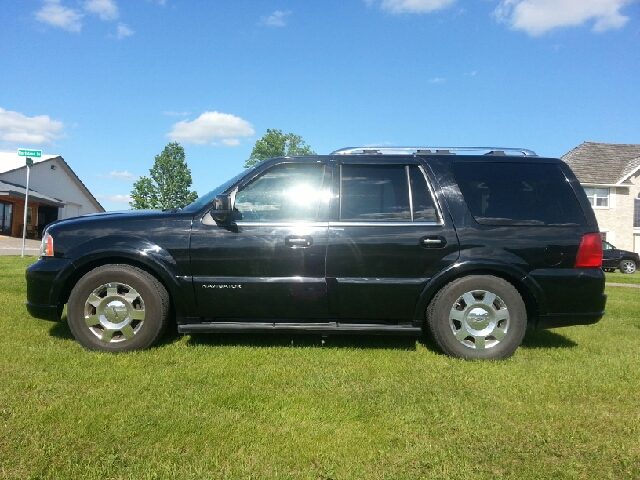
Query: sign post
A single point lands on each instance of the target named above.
(23, 152)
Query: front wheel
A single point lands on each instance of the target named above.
(478, 317)
(627, 266)
(118, 308)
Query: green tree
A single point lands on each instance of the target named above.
(274, 143)
(168, 184)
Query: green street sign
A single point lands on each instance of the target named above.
(29, 162)
(23, 152)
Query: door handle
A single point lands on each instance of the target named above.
(433, 242)
(298, 241)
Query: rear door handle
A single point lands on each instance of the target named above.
(435, 241)
(303, 241)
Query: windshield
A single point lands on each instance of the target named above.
(203, 200)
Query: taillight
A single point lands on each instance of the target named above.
(46, 247)
(590, 251)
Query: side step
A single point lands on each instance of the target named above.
(323, 328)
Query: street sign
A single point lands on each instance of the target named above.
(23, 152)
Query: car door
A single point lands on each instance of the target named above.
(388, 237)
(268, 260)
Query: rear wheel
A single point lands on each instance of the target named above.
(627, 266)
(478, 317)
(118, 308)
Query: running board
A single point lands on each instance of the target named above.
(322, 328)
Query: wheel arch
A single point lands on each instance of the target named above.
(531, 293)
(155, 261)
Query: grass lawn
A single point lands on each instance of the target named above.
(566, 405)
(617, 277)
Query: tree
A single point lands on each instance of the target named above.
(276, 144)
(169, 184)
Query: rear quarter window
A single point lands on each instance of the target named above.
(499, 193)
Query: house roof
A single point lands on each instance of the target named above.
(8, 164)
(604, 163)
(11, 189)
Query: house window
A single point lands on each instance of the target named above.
(598, 197)
(636, 212)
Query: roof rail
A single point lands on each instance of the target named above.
(433, 151)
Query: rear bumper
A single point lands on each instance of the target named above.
(572, 296)
(567, 319)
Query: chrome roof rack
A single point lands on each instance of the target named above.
(434, 151)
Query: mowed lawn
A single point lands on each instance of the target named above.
(566, 405)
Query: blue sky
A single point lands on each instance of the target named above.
(108, 83)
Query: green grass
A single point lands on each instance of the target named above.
(565, 406)
(617, 277)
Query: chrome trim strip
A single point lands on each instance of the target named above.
(406, 170)
(283, 224)
(226, 280)
(385, 224)
(383, 281)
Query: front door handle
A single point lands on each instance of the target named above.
(294, 241)
(435, 241)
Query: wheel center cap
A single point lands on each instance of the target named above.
(115, 312)
(478, 318)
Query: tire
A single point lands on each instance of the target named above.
(628, 266)
(479, 317)
(118, 308)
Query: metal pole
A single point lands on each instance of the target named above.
(26, 204)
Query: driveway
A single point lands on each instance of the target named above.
(13, 246)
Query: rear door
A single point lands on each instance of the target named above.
(388, 237)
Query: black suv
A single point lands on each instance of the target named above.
(472, 245)
(613, 258)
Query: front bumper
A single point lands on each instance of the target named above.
(44, 285)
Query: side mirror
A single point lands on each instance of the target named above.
(222, 207)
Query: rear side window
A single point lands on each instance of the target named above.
(518, 194)
(385, 193)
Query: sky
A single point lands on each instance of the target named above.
(107, 84)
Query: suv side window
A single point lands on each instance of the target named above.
(518, 194)
(385, 193)
(285, 192)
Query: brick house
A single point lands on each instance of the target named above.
(610, 175)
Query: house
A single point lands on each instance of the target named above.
(610, 175)
(55, 193)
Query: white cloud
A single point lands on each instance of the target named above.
(412, 6)
(211, 126)
(276, 19)
(119, 175)
(438, 80)
(539, 16)
(115, 198)
(56, 15)
(106, 9)
(20, 129)
(123, 31)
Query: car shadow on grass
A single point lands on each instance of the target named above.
(303, 340)
(546, 339)
(533, 339)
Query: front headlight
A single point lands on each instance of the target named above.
(46, 247)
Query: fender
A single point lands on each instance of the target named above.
(483, 266)
(131, 250)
